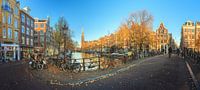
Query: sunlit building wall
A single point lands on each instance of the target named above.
(188, 35)
(9, 21)
(26, 31)
(162, 38)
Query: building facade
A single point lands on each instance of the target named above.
(9, 30)
(42, 33)
(190, 35)
(26, 32)
(126, 39)
(163, 38)
(197, 36)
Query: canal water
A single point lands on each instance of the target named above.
(92, 61)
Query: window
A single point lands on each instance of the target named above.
(189, 23)
(27, 21)
(31, 41)
(192, 30)
(9, 33)
(42, 44)
(192, 36)
(23, 40)
(27, 41)
(32, 24)
(23, 18)
(6, 5)
(9, 19)
(27, 31)
(16, 10)
(4, 2)
(185, 30)
(36, 25)
(42, 25)
(41, 32)
(161, 41)
(4, 17)
(185, 36)
(41, 38)
(16, 23)
(4, 32)
(16, 36)
(31, 32)
(23, 29)
(165, 37)
(162, 31)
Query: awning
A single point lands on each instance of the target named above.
(9, 45)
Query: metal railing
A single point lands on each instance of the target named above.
(191, 54)
(98, 62)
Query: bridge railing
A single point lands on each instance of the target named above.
(192, 55)
(100, 62)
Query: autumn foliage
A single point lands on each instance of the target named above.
(135, 34)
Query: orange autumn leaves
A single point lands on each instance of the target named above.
(135, 33)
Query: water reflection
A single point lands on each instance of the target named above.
(92, 61)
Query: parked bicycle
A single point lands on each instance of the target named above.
(38, 62)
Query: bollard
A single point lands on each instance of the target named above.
(83, 64)
(99, 62)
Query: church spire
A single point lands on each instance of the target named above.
(82, 38)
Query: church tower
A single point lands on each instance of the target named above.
(82, 40)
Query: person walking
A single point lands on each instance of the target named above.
(178, 51)
(170, 51)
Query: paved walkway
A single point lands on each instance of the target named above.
(157, 73)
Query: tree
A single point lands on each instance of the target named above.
(57, 39)
(59, 35)
(140, 26)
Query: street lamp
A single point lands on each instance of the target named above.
(65, 28)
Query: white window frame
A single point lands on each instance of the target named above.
(27, 31)
(4, 32)
(9, 33)
(16, 23)
(10, 19)
(16, 36)
(23, 40)
(16, 10)
(27, 41)
(4, 17)
(23, 29)
(23, 18)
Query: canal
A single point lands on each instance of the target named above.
(92, 61)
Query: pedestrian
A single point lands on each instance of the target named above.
(178, 51)
(170, 52)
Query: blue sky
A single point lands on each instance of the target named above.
(100, 17)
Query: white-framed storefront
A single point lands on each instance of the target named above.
(13, 48)
(164, 47)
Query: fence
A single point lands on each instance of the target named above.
(191, 54)
(100, 62)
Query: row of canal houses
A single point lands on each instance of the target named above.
(161, 40)
(20, 32)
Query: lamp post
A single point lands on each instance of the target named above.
(65, 33)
